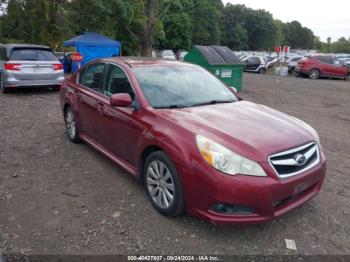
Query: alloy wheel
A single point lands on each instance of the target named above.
(160, 184)
(314, 74)
(70, 123)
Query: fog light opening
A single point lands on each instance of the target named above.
(232, 209)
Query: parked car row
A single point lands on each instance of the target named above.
(170, 55)
(23, 65)
(261, 63)
(313, 66)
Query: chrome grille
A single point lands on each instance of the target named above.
(296, 160)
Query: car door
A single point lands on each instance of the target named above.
(253, 63)
(326, 66)
(88, 96)
(119, 127)
(338, 69)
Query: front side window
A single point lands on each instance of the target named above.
(92, 77)
(181, 86)
(117, 82)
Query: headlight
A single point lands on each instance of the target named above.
(308, 128)
(225, 160)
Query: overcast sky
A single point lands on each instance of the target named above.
(324, 18)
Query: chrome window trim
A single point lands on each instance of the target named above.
(295, 150)
(126, 74)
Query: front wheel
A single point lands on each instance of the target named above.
(163, 185)
(71, 127)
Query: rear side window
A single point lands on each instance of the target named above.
(92, 77)
(81, 75)
(27, 54)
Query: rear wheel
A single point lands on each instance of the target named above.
(314, 74)
(71, 127)
(347, 77)
(56, 88)
(262, 71)
(2, 86)
(163, 184)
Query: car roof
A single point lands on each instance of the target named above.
(144, 61)
(10, 46)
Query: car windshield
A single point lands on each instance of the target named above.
(181, 86)
(26, 54)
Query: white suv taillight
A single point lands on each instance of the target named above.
(12, 66)
(57, 67)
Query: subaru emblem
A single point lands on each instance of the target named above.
(300, 159)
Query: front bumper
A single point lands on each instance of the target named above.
(300, 70)
(269, 197)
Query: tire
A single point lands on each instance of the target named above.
(56, 88)
(314, 74)
(2, 86)
(347, 78)
(262, 71)
(163, 185)
(71, 128)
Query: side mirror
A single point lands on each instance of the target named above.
(121, 100)
(234, 89)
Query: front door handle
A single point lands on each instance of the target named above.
(77, 95)
(100, 107)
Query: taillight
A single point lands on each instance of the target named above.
(12, 67)
(57, 66)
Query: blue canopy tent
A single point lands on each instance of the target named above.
(93, 45)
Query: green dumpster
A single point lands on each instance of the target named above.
(219, 60)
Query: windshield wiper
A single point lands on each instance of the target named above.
(213, 102)
(169, 106)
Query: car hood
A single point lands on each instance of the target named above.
(252, 130)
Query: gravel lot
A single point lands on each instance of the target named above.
(60, 198)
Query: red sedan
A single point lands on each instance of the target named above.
(193, 142)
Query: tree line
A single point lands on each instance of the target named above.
(142, 25)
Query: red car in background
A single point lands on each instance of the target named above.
(193, 142)
(321, 66)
